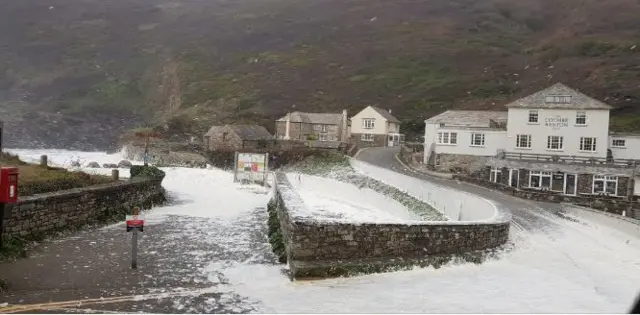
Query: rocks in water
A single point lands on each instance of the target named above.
(110, 165)
(125, 164)
(75, 164)
(93, 165)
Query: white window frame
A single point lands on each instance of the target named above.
(533, 113)
(558, 99)
(583, 144)
(581, 118)
(541, 174)
(605, 179)
(367, 137)
(528, 141)
(368, 123)
(558, 143)
(477, 136)
(494, 175)
(322, 137)
(447, 138)
(614, 145)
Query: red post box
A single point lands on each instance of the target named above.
(8, 185)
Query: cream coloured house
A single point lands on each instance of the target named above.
(375, 127)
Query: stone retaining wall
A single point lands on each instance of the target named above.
(323, 249)
(42, 214)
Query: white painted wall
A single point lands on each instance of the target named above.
(380, 125)
(493, 141)
(631, 149)
(429, 139)
(597, 127)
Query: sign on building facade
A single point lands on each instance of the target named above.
(251, 167)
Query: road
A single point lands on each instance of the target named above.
(532, 216)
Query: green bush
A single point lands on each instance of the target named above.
(146, 171)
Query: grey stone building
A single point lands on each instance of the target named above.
(301, 126)
(235, 137)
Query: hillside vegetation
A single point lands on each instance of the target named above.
(189, 64)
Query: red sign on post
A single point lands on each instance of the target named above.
(135, 221)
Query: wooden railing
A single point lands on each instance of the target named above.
(570, 159)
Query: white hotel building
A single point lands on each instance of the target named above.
(557, 139)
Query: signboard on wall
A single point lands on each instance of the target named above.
(251, 167)
(556, 122)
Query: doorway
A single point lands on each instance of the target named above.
(514, 178)
(570, 184)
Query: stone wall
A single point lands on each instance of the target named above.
(51, 212)
(325, 249)
(458, 163)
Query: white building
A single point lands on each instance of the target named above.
(374, 126)
(555, 132)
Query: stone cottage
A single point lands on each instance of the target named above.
(303, 126)
(235, 137)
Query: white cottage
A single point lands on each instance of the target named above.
(556, 139)
(375, 127)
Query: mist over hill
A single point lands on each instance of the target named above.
(76, 73)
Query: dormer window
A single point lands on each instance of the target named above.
(558, 99)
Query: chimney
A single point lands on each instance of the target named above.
(287, 128)
(344, 135)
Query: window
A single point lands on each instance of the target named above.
(605, 184)
(225, 136)
(367, 137)
(447, 138)
(587, 144)
(323, 128)
(533, 116)
(619, 143)
(322, 137)
(558, 99)
(523, 141)
(539, 179)
(554, 143)
(581, 118)
(495, 175)
(368, 123)
(477, 139)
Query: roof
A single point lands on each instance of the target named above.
(244, 132)
(578, 99)
(468, 118)
(386, 114)
(314, 118)
(251, 132)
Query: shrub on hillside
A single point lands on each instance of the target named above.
(146, 171)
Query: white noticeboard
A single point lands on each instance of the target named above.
(251, 167)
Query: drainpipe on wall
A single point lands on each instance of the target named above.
(287, 128)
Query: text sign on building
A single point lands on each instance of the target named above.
(556, 122)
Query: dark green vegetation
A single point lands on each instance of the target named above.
(146, 171)
(193, 63)
(274, 231)
(36, 179)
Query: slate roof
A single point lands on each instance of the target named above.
(386, 114)
(468, 118)
(245, 132)
(578, 99)
(314, 118)
(251, 132)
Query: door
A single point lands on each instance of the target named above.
(570, 184)
(390, 142)
(514, 178)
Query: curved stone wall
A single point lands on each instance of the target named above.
(326, 249)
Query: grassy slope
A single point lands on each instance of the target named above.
(247, 61)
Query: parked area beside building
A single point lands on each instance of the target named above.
(556, 140)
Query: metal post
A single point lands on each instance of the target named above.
(235, 167)
(146, 150)
(266, 169)
(134, 249)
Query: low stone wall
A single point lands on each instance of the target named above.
(326, 249)
(608, 204)
(39, 215)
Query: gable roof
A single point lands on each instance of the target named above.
(251, 132)
(244, 132)
(468, 118)
(578, 99)
(314, 118)
(386, 114)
